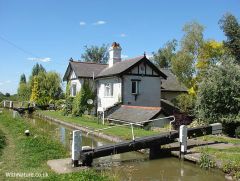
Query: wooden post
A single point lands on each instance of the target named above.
(4, 103)
(11, 104)
(183, 140)
(76, 147)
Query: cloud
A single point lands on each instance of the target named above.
(100, 22)
(124, 56)
(47, 59)
(82, 23)
(5, 82)
(8, 81)
(123, 35)
(149, 56)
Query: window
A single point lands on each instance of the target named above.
(108, 90)
(134, 87)
(73, 90)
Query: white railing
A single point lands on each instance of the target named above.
(131, 124)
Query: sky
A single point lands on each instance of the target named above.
(50, 32)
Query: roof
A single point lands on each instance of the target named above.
(134, 114)
(84, 69)
(168, 107)
(172, 83)
(125, 65)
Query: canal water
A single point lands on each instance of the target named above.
(132, 165)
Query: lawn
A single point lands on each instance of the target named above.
(123, 132)
(24, 154)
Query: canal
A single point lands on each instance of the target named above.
(132, 165)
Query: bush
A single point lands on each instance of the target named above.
(218, 94)
(185, 102)
(237, 132)
(80, 104)
(67, 109)
(206, 161)
(232, 168)
(181, 119)
(197, 123)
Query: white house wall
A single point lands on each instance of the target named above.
(103, 101)
(149, 91)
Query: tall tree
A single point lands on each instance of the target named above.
(231, 27)
(95, 54)
(23, 92)
(35, 90)
(23, 79)
(37, 69)
(184, 63)
(163, 57)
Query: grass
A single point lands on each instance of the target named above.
(93, 123)
(30, 154)
(224, 139)
(230, 157)
(2, 141)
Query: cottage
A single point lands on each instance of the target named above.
(133, 84)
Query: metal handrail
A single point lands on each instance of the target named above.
(137, 123)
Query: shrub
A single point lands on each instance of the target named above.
(185, 102)
(206, 161)
(181, 119)
(80, 104)
(218, 94)
(197, 123)
(237, 132)
(67, 109)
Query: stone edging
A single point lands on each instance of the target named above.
(77, 127)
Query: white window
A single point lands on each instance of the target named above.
(108, 90)
(134, 87)
(73, 90)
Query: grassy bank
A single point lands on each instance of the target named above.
(92, 123)
(2, 142)
(30, 154)
(230, 157)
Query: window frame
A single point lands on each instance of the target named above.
(110, 92)
(136, 87)
(73, 85)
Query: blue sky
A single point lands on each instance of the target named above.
(52, 31)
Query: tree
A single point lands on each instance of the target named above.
(95, 54)
(37, 69)
(23, 92)
(80, 104)
(182, 67)
(231, 27)
(164, 55)
(23, 79)
(49, 87)
(211, 52)
(184, 63)
(219, 93)
(35, 90)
